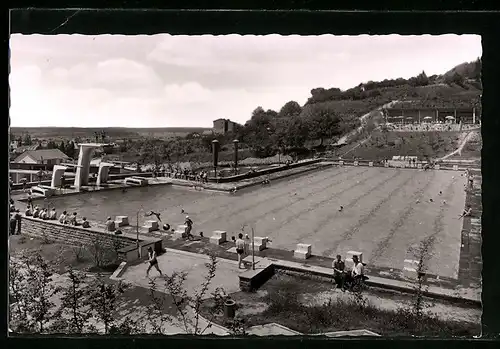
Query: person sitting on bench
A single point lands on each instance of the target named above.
(339, 272)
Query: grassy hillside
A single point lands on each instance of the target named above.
(459, 87)
(385, 145)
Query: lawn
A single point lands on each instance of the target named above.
(61, 256)
(286, 300)
(385, 145)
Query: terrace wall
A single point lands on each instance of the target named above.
(266, 171)
(71, 235)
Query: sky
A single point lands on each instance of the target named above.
(189, 81)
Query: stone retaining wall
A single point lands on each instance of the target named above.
(251, 280)
(71, 235)
(266, 171)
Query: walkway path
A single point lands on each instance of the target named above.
(466, 138)
(343, 139)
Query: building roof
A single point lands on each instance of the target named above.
(23, 148)
(45, 154)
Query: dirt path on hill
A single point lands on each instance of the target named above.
(465, 138)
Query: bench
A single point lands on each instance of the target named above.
(151, 226)
(218, 237)
(302, 251)
(121, 221)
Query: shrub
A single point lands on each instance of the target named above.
(78, 252)
(101, 254)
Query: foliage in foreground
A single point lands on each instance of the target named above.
(88, 303)
(355, 312)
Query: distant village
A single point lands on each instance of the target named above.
(32, 160)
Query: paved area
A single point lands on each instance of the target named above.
(386, 211)
(194, 265)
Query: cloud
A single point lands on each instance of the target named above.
(164, 80)
(190, 92)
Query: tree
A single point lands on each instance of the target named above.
(322, 120)
(292, 132)
(51, 145)
(73, 314)
(189, 306)
(422, 79)
(290, 109)
(62, 147)
(103, 300)
(33, 291)
(27, 139)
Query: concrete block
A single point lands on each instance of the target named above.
(455, 167)
(121, 221)
(151, 226)
(302, 251)
(370, 164)
(220, 234)
(216, 240)
(410, 264)
(386, 164)
(180, 234)
(218, 237)
(419, 166)
(354, 253)
(260, 243)
(356, 163)
(341, 163)
(410, 273)
(436, 167)
(349, 263)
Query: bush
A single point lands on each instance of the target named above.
(102, 256)
(78, 251)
